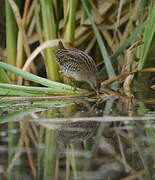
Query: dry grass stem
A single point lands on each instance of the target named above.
(20, 26)
(46, 44)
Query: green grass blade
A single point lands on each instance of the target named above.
(49, 32)
(108, 64)
(73, 161)
(16, 116)
(11, 37)
(107, 110)
(35, 90)
(70, 26)
(49, 158)
(10, 92)
(128, 42)
(36, 79)
(3, 76)
(148, 36)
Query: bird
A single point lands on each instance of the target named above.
(78, 65)
(74, 132)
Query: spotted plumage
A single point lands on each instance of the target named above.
(74, 132)
(77, 64)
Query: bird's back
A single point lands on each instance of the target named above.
(75, 60)
(77, 64)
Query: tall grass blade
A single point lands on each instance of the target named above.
(73, 161)
(128, 42)
(142, 111)
(49, 32)
(107, 110)
(148, 36)
(108, 64)
(49, 156)
(70, 26)
(11, 37)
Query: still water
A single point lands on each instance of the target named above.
(106, 138)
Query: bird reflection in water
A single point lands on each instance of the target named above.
(76, 132)
(80, 131)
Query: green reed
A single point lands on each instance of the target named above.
(49, 154)
(49, 32)
(11, 37)
(107, 61)
(148, 37)
(70, 25)
(55, 87)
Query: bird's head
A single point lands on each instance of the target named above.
(94, 83)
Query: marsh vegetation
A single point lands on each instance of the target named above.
(52, 130)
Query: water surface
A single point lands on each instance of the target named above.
(105, 138)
